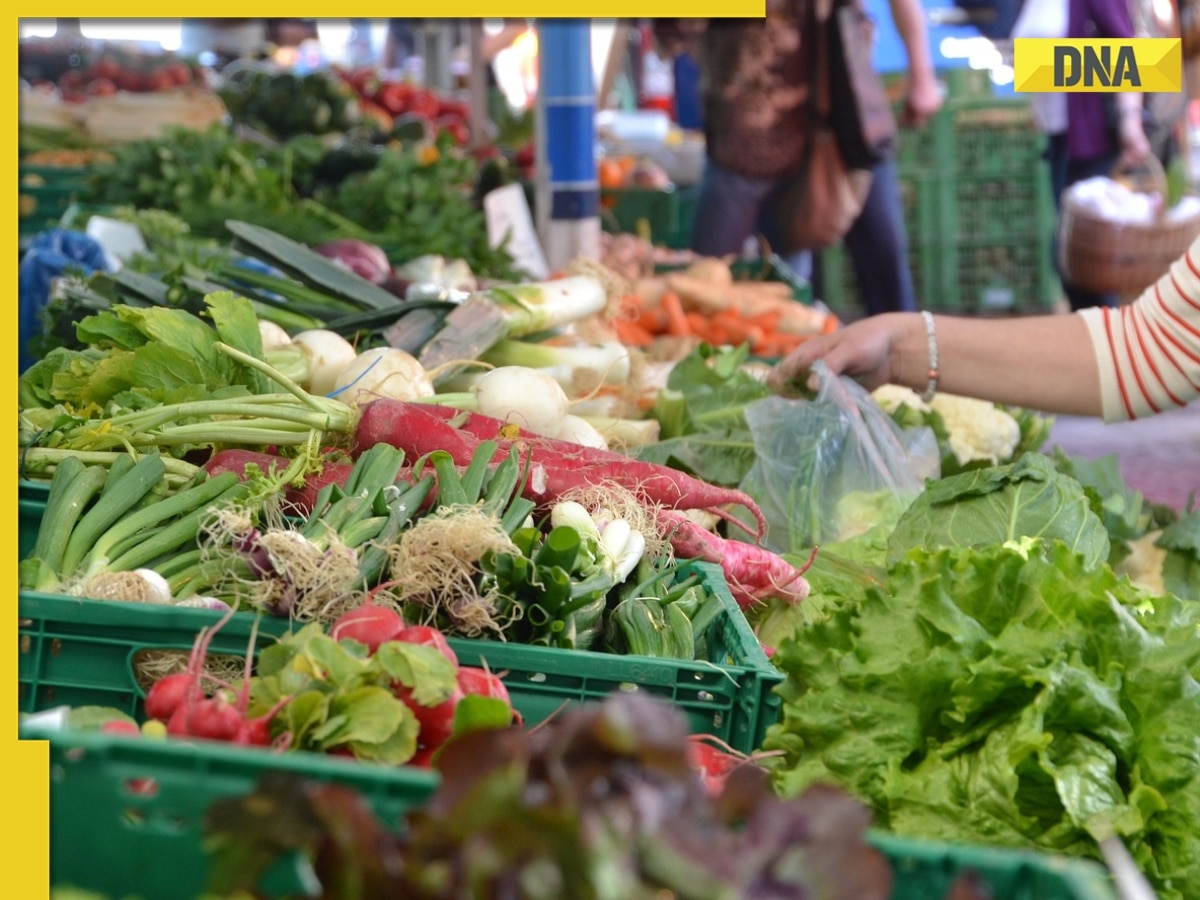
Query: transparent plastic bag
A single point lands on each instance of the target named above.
(830, 468)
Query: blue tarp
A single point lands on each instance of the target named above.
(51, 254)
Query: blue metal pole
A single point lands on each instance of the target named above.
(568, 196)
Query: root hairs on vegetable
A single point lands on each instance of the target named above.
(219, 668)
(138, 586)
(435, 565)
(608, 501)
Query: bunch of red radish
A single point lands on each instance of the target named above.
(373, 625)
(181, 703)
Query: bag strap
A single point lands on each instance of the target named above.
(816, 21)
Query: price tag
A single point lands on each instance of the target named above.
(507, 211)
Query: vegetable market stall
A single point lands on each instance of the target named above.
(170, 356)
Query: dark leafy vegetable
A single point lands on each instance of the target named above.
(602, 804)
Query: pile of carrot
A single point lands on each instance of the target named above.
(770, 321)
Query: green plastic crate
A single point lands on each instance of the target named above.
(76, 652)
(978, 213)
(28, 489)
(108, 837)
(29, 520)
(651, 213)
(925, 870)
(46, 192)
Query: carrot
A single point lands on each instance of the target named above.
(754, 573)
(677, 323)
(556, 466)
(632, 333)
(831, 324)
(698, 323)
(767, 320)
(653, 320)
(737, 329)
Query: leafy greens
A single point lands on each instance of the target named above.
(987, 507)
(1010, 695)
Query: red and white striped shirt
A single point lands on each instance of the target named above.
(1149, 351)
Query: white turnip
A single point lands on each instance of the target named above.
(522, 396)
(382, 372)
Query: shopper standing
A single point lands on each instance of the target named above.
(755, 94)
(1093, 144)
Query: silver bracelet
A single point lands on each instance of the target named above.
(932, 375)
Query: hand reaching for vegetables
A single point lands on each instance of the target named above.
(864, 350)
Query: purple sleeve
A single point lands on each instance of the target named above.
(1111, 18)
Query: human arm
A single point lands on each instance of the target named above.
(1113, 19)
(493, 43)
(1121, 363)
(924, 93)
(1043, 362)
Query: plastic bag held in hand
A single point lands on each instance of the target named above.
(830, 468)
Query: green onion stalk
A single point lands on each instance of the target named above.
(283, 419)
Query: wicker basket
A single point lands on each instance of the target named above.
(1123, 258)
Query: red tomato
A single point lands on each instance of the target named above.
(424, 103)
(158, 80)
(395, 97)
(180, 74)
(104, 68)
(456, 127)
(129, 80)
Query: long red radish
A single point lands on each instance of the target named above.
(298, 499)
(421, 428)
(753, 573)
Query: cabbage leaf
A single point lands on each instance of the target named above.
(1027, 498)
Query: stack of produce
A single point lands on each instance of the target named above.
(251, 425)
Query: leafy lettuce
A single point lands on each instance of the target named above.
(702, 416)
(1007, 695)
(1181, 565)
(142, 356)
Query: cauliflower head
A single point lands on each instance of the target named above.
(891, 397)
(977, 429)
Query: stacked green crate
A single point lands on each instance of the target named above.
(1005, 211)
(977, 210)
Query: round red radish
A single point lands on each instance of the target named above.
(254, 732)
(179, 722)
(428, 636)
(120, 726)
(711, 763)
(437, 722)
(483, 683)
(423, 758)
(167, 695)
(215, 719)
(368, 624)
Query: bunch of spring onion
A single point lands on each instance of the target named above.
(121, 531)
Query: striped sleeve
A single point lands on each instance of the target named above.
(1148, 352)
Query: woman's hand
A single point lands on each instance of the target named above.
(863, 350)
(924, 99)
(1135, 146)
